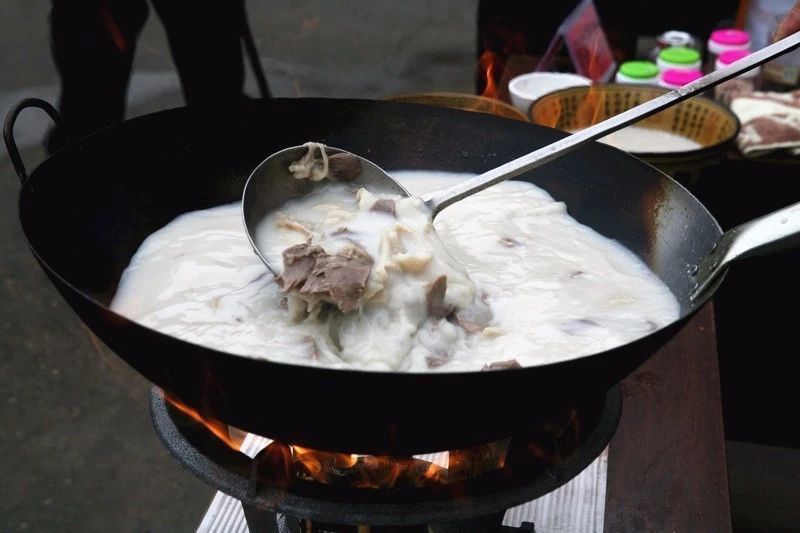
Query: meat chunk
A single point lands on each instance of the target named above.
(436, 360)
(503, 365)
(343, 167)
(313, 165)
(298, 262)
(434, 296)
(342, 277)
(474, 318)
(509, 242)
(385, 205)
(317, 165)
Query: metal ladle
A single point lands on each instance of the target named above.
(271, 185)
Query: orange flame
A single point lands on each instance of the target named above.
(381, 471)
(217, 427)
(489, 65)
(365, 471)
(595, 100)
(590, 110)
(113, 30)
(318, 464)
(586, 112)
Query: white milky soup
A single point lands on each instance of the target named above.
(638, 139)
(555, 290)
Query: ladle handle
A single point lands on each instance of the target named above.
(770, 233)
(539, 157)
(8, 131)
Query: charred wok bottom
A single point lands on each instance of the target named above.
(290, 488)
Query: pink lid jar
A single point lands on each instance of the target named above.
(732, 56)
(725, 40)
(728, 39)
(741, 85)
(675, 78)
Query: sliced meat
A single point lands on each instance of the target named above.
(579, 326)
(434, 296)
(343, 167)
(311, 166)
(342, 277)
(436, 360)
(474, 318)
(298, 262)
(385, 205)
(508, 242)
(292, 225)
(503, 365)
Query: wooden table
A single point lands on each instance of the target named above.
(666, 465)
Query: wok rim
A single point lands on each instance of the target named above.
(214, 353)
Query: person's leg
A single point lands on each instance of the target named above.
(93, 43)
(205, 39)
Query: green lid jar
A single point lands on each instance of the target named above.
(678, 57)
(641, 72)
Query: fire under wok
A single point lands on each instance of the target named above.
(86, 210)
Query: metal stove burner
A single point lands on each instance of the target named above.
(273, 503)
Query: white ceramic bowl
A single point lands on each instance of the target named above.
(526, 88)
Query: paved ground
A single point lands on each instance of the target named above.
(77, 449)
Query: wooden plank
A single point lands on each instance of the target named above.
(666, 466)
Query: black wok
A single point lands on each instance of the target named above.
(86, 209)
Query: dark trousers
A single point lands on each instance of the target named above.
(93, 44)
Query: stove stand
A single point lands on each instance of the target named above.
(275, 500)
(259, 521)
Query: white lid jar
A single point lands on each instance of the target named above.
(728, 39)
(675, 38)
(678, 58)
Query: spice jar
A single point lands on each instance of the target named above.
(670, 39)
(725, 40)
(745, 83)
(675, 78)
(638, 72)
(678, 58)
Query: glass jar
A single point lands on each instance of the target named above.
(743, 84)
(671, 39)
(725, 40)
(678, 58)
(675, 78)
(638, 72)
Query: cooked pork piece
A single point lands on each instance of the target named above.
(341, 277)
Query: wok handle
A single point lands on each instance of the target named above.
(8, 131)
(771, 233)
